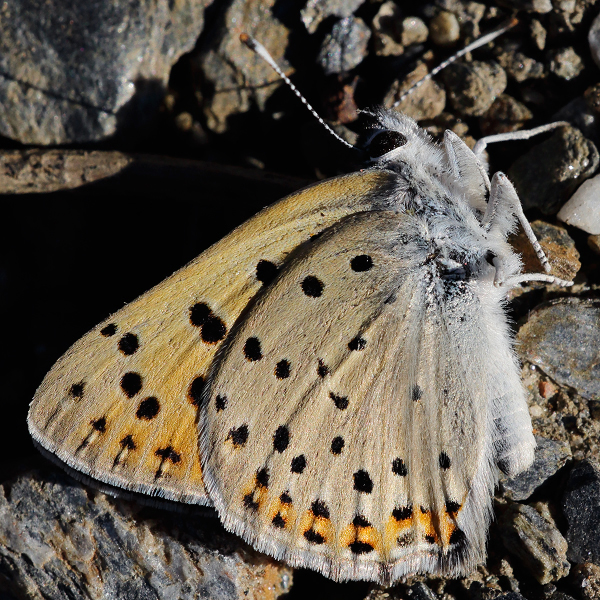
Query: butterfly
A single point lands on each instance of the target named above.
(336, 376)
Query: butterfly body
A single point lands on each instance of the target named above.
(336, 375)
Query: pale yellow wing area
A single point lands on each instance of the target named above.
(121, 406)
(353, 437)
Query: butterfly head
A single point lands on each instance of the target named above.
(390, 136)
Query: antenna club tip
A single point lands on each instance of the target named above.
(248, 41)
(514, 21)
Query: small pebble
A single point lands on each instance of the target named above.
(387, 28)
(538, 33)
(594, 40)
(549, 173)
(550, 457)
(316, 11)
(581, 507)
(444, 28)
(473, 87)
(594, 243)
(547, 389)
(566, 63)
(562, 338)
(586, 578)
(414, 31)
(536, 541)
(345, 47)
(582, 210)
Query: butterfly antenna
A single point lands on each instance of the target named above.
(259, 49)
(481, 41)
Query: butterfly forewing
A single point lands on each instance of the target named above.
(325, 439)
(121, 405)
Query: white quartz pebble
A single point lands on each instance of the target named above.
(582, 210)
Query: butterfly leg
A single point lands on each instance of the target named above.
(509, 136)
(503, 207)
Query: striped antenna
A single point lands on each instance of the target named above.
(481, 41)
(264, 54)
(259, 49)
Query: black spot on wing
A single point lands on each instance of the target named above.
(314, 537)
(282, 369)
(281, 438)
(195, 391)
(358, 547)
(212, 327)
(131, 384)
(360, 521)
(168, 454)
(340, 402)
(322, 369)
(362, 482)
(358, 343)
(399, 468)
(76, 390)
(298, 464)
(262, 478)
(128, 344)
(402, 513)
(312, 287)
(252, 349)
(337, 445)
(148, 408)
(99, 424)
(444, 461)
(238, 435)
(108, 330)
(278, 521)
(361, 263)
(319, 509)
(266, 271)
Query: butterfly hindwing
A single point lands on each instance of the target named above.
(121, 405)
(334, 434)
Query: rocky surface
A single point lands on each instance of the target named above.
(581, 506)
(86, 70)
(95, 225)
(61, 540)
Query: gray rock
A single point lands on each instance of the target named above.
(535, 6)
(549, 173)
(535, 540)
(60, 540)
(510, 596)
(420, 591)
(550, 456)
(562, 338)
(387, 30)
(594, 40)
(558, 245)
(425, 102)
(237, 77)
(581, 507)
(473, 87)
(521, 67)
(444, 28)
(582, 210)
(86, 68)
(586, 580)
(566, 63)
(316, 11)
(505, 114)
(345, 47)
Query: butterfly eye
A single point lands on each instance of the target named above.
(386, 141)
